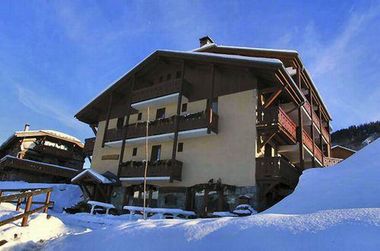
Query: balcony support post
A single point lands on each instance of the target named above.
(211, 99)
(125, 127)
(300, 127)
(107, 119)
(320, 135)
(177, 117)
(93, 128)
(312, 127)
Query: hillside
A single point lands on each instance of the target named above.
(356, 137)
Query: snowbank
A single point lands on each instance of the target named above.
(40, 229)
(63, 195)
(334, 208)
(353, 183)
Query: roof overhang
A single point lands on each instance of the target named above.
(267, 65)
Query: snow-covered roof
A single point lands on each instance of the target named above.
(36, 133)
(343, 147)
(94, 174)
(260, 63)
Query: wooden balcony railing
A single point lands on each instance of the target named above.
(160, 168)
(316, 121)
(277, 117)
(325, 134)
(167, 125)
(89, 145)
(36, 166)
(50, 150)
(269, 168)
(308, 142)
(159, 90)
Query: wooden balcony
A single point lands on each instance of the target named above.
(37, 167)
(316, 121)
(159, 170)
(276, 168)
(163, 126)
(53, 151)
(308, 142)
(89, 145)
(160, 90)
(275, 119)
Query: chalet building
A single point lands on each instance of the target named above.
(40, 156)
(225, 124)
(341, 152)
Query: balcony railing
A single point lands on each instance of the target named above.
(53, 151)
(159, 90)
(269, 168)
(160, 168)
(167, 125)
(277, 117)
(89, 145)
(308, 142)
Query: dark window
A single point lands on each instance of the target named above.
(134, 152)
(139, 116)
(178, 74)
(180, 147)
(156, 153)
(120, 123)
(169, 76)
(161, 79)
(170, 200)
(184, 107)
(160, 114)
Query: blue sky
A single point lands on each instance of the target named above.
(55, 56)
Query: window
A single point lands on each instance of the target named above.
(160, 113)
(139, 116)
(180, 147)
(156, 153)
(120, 123)
(170, 200)
(134, 152)
(184, 107)
(178, 74)
(169, 76)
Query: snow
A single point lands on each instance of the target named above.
(40, 229)
(63, 195)
(94, 174)
(335, 208)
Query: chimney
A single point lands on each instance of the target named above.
(205, 41)
(26, 127)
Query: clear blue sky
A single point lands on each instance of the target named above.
(55, 56)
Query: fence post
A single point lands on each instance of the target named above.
(19, 200)
(27, 209)
(47, 201)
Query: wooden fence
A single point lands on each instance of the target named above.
(26, 194)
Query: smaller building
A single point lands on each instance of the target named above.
(341, 152)
(41, 156)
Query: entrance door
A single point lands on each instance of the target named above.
(156, 153)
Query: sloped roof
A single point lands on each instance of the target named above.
(213, 47)
(260, 63)
(94, 175)
(38, 133)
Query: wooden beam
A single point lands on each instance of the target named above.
(108, 119)
(211, 98)
(272, 98)
(312, 127)
(125, 127)
(93, 128)
(178, 114)
(300, 129)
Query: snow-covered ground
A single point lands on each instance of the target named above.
(336, 208)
